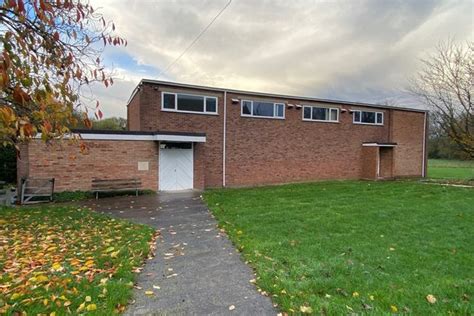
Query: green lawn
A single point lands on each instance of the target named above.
(451, 169)
(66, 260)
(356, 247)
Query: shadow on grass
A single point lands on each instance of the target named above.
(70, 196)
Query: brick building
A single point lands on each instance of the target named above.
(184, 136)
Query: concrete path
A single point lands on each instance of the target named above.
(197, 269)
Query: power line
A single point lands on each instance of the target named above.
(196, 39)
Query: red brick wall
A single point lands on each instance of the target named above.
(266, 151)
(199, 176)
(104, 159)
(261, 151)
(133, 113)
(153, 119)
(407, 132)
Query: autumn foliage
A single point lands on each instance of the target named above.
(50, 51)
(68, 261)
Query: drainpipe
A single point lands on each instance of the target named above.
(423, 162)
(378, 163)
(224, 138)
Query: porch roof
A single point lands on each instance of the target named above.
(90, 134)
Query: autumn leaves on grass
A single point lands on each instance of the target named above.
(63, 260)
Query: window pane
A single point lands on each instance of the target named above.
(320, 114)
(246, 105)
(379, 118)
(368, 117)
(357, 116)
(262, 108)
(190, 103)
(168, 101)
(307, 113)
(333, 115)
(211, 105)
(279, 109)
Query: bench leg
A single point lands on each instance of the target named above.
(136, 193)
(97, 195)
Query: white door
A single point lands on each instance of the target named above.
(176, 169)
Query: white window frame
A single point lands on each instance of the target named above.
(363, 123)
(259, 116)
(320, 107)
(205, 97)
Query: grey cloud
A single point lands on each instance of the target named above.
(357, 50)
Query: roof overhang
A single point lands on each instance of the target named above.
(271, 95)
(137, 136)
(379, 144)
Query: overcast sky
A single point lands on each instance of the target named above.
(347, 50)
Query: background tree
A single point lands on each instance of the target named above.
(50, 51)
(7, 164)
(441, 146)
(446, 85)
(110, 123)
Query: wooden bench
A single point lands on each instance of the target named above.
(111, 185)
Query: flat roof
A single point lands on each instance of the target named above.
(91, 134)
(284, 96)
(123, 132)
(376, 144)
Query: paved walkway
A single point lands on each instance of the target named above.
(196, 268)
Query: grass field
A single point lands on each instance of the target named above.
(356, 247)
(64, 260)
(450, 169)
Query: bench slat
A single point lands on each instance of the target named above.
(107, 185)
(114, 180)
(113, 187)
(115, 183)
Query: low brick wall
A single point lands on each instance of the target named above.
(105, 159)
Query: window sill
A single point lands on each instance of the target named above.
(369, 124)
(189, 112)
(263, 117)
(321, 121)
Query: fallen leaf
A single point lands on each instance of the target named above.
(149, 293)
(231, 307)
(56, 267)
(41, 278)
(81, 307)
(366, 306)
(393, 308)
(15, 296)
(306, 309)
(88, 299)
(91, 307)
(431, 299)
(355, 294)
